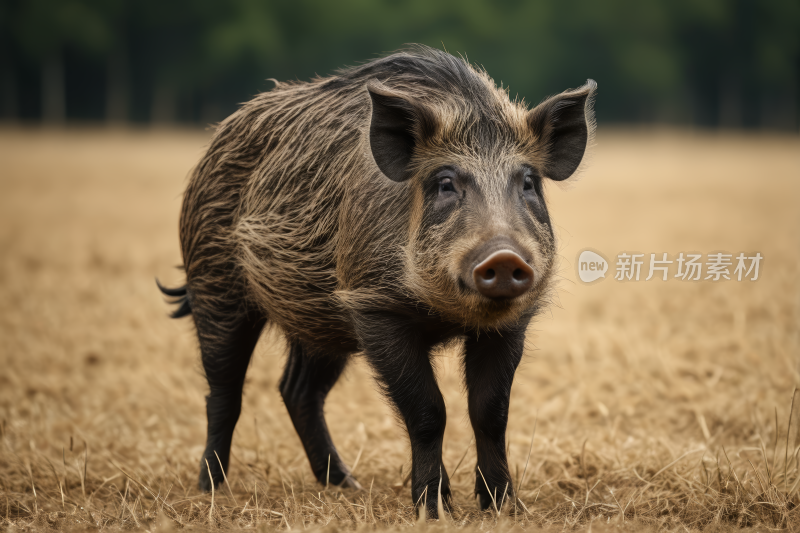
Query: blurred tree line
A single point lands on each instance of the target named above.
(727, 63)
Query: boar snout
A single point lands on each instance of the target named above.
(503, 275)
(500, 273)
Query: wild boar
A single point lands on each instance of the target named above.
(383, 211)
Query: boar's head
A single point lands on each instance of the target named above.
(481, 248)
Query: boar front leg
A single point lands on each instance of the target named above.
(400, 356)
(490, 360)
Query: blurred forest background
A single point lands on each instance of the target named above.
(709, 63)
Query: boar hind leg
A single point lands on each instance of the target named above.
(490, 360)
(400, 357)
(227, 340)
(304, 386)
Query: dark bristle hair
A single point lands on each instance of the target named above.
(427, 67)
(178, 296)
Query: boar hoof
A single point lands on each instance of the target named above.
(350, 482)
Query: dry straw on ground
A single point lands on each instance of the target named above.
(658, 405)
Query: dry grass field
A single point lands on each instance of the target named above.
(656, 405)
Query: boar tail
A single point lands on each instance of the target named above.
(178, 296)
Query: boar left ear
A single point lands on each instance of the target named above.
(397, 126)
(564, 123)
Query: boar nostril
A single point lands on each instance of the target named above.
(503, 275)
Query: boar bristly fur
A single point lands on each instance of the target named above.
(388, 209)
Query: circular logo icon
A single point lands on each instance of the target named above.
(592, 266)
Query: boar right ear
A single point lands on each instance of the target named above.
(565, 125)
(397, 126)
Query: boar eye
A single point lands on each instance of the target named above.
(446, 185)
(527, 183)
